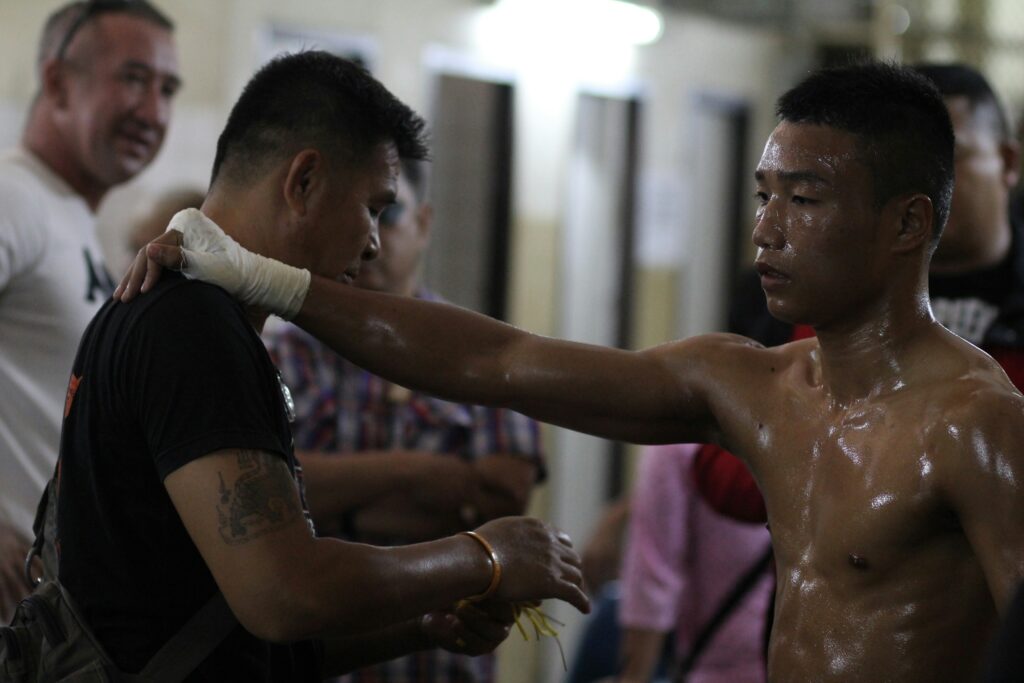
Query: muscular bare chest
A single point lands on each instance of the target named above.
(851, 492)
(869, 557)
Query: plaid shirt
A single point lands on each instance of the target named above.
(342, 408)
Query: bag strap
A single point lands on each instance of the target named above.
(742, 587)
(43, 509)
(193, 643)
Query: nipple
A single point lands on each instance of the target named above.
(858, 561)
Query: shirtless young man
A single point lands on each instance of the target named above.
(888, 449)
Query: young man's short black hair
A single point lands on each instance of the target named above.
(313, 99)
(900, 119)
(960, 80)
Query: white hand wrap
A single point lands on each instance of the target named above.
(212, 256)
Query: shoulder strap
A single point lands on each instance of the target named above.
(193, 643)
(742, 587)
(45, 522)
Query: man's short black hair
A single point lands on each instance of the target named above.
(68, 20)
(960, 80)
(900, 119)
(313, 99)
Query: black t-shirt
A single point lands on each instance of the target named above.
(175, 375)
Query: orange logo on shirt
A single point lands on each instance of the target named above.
(72, 389)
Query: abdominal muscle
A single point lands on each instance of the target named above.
(921, 612)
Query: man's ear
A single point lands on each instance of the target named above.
(53, 83)
(424, 220)
(1009, 150)
(305, 174)
(916, 217)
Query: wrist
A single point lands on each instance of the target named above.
(495, 566)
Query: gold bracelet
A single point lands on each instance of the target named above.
(495, 566)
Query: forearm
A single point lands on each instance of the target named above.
(506, 482)
(337, 484)
(436, 347)
(641, 651)
(499, 486)
(398, 517)
(342, 655)
(350, 588)
(401, 516)
(466, 357)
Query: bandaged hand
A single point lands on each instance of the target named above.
(208, 254)
(196, 246)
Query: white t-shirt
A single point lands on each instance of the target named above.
(52, 282)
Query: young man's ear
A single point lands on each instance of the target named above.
(304, 174)
(916, 217)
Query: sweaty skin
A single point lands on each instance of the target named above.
(888, 449)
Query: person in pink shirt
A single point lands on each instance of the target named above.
(683, 562)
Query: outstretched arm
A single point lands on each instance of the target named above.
(665, 394)
(652, 395)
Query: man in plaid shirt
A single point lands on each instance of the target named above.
(386, 465)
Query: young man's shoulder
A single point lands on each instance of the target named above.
(971, 403)
(956, 369)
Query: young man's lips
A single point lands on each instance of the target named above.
(770, 275)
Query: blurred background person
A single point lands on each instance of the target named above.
(685, 592)
(156, 212)
(692, 575)
(385, 465)
(976, 278)
(108, 73)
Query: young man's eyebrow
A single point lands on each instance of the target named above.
(794, 177)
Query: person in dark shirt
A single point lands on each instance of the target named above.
(177, 473)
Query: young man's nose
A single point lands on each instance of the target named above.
(767, 229)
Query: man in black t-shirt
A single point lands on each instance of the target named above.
(174, 377)
(177, 475)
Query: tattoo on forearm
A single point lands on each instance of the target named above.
(261, 500)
